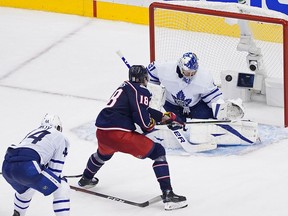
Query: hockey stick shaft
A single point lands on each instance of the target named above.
(144, 204)
(209, 122)
(72, 176)
(200, 122)
(119, 53)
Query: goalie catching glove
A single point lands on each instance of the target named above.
(172, 121)
(228, 110)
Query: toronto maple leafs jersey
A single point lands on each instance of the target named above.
(48, 144)
(181, 91)
(128, 105)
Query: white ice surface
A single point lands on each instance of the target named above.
(67, 65)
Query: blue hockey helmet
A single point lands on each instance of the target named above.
(188, 64)
(138, 74)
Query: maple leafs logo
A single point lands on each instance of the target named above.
(180, 99)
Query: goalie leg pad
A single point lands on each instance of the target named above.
(201, 133)
(234, 133)
(239, 133)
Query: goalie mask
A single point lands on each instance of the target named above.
(50, 120)
(188, 65)
(138, 74)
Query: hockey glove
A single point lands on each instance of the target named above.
(151, 125)
(172, 121)
(168, 117)
(63, 178)
(228, 110)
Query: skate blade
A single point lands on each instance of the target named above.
(173, 206)
(87, 186)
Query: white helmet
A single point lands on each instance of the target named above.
(51, 120)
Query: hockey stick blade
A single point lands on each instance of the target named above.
(143, 204)
(185, 143)
(189, 147)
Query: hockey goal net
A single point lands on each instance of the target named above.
(215, 32)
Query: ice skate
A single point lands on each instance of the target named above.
(88, 183)
(173, 201)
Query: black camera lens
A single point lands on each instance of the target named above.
(253, 65)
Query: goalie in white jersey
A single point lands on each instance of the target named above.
(36, 164)
(190, 90)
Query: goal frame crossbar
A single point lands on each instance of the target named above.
(225, 14)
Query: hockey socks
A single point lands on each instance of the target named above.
(161, 170)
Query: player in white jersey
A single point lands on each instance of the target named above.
(36, 164)
(190, 89)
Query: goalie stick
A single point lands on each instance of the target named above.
(190, 147)
(208, 121)
(186, 145)
(143, 204)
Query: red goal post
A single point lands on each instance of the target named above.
(165, 16)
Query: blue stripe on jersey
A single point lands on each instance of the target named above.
(213, 92)
(154, 81)
(154, 78)
(214, 97)
(57, 161)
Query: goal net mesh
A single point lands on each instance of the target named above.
(212, 30)
(214, 38)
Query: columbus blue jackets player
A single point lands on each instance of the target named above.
(36, 163)
(115, 132)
